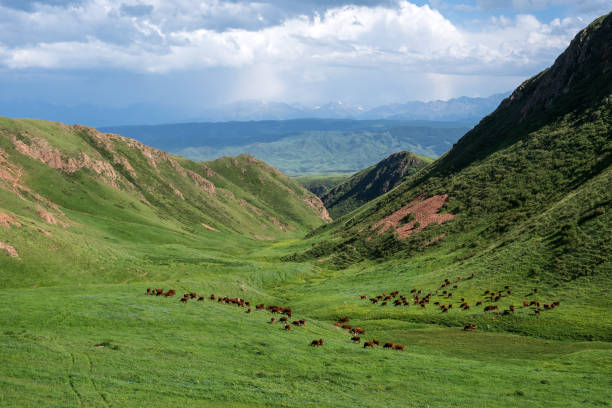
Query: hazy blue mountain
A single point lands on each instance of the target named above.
(302, 146)
(464, 109)
(458, 109)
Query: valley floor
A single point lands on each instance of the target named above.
(87, 344)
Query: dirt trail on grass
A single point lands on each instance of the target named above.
(208, 227)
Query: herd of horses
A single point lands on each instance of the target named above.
(276, 310)
(443, 300)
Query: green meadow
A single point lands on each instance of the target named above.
(83, 343)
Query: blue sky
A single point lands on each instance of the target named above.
(193, 54)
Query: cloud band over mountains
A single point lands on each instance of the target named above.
(281, 44)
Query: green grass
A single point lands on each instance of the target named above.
(160, 352)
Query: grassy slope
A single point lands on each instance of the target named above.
(112, 228)
(510, 169)
(162, 353)
(372, 182)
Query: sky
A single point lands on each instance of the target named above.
(196, 54)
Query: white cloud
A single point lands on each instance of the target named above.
(384, 53)
(406, 36)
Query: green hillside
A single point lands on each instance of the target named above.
(489, 270)
(72, 195)
(524, 197)
(372, 182)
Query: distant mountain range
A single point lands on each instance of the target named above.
(464, 109)
(456, 109)
(301, 146)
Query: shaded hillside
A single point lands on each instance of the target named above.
(320, 184)
(372, 182)
(530, 184)
(72, 193)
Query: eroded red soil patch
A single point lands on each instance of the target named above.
(6, 220)
(316, 204)
(425, 212)
(11, 251)
(202, 183)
